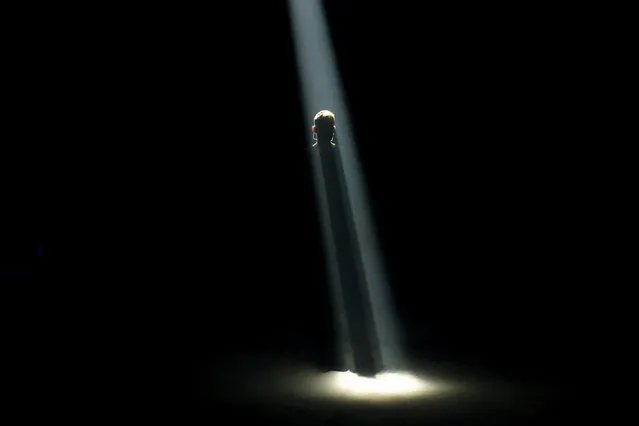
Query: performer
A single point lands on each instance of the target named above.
(324, 128)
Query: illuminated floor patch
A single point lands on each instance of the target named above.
(389, 385)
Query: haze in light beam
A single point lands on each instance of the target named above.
(321, 89)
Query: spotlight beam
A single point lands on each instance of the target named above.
(339, 181)
(351, 284)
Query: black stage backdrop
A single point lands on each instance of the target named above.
(162, 157)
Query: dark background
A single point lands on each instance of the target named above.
(160, 157)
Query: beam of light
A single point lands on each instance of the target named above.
(343, 342)
(321, 89)
(319, 85)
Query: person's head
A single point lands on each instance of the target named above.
(324, 118)
(324, 125)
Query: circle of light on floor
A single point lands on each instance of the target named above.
(388, 384)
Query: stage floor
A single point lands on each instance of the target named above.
(286, 390)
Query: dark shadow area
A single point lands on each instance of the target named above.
(160, 202)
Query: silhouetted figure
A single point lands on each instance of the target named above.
(324, 129)
(361, 352)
